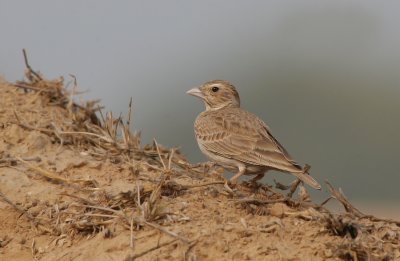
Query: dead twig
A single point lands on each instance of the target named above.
(71, 98)
(338, 195)
(56, 178)
(24, 86)
(189, 249)
(204, 184)
(324, 202)
(166, 231)
(28, 127)
(281, 186)
(150, 250)
(377, 219)
(85, 201)
(18, 208)
(159, 154)
(34, 250)
(140, 221)
(173, 185)
(35, 223)
(293, 188)
(29, 67)
(260, 202)
(131, 242)
(13, 160)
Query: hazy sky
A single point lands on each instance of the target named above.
(323, 74)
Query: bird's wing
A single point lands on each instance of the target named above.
(237, 134)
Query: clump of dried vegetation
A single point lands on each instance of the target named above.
(158, 173)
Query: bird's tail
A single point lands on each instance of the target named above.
(305, 177)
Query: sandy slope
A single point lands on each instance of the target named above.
(207, 222)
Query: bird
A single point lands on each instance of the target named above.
(238, 140)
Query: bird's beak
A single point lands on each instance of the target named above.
(195, 92)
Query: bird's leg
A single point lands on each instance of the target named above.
(257, 178)
(253, 182)
(232, 181)
(242, 170)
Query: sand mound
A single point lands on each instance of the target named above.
(78, 185)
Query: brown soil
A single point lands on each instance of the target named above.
(72, 189)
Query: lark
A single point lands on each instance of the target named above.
(238, 140)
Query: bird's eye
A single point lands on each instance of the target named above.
(215, 89)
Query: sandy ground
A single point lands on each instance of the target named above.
(67, 198)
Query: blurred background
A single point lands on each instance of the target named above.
(324, 75)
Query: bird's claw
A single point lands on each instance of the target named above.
(228, 184)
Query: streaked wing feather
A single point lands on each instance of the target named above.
(240, 135)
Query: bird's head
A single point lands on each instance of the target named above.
(217, 94)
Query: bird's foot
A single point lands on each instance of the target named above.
(229, 187)
(256, 179)
(232, 181)
(253, 183)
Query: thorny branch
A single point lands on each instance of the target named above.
(338, 195)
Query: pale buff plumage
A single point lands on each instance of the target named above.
(238, 140)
